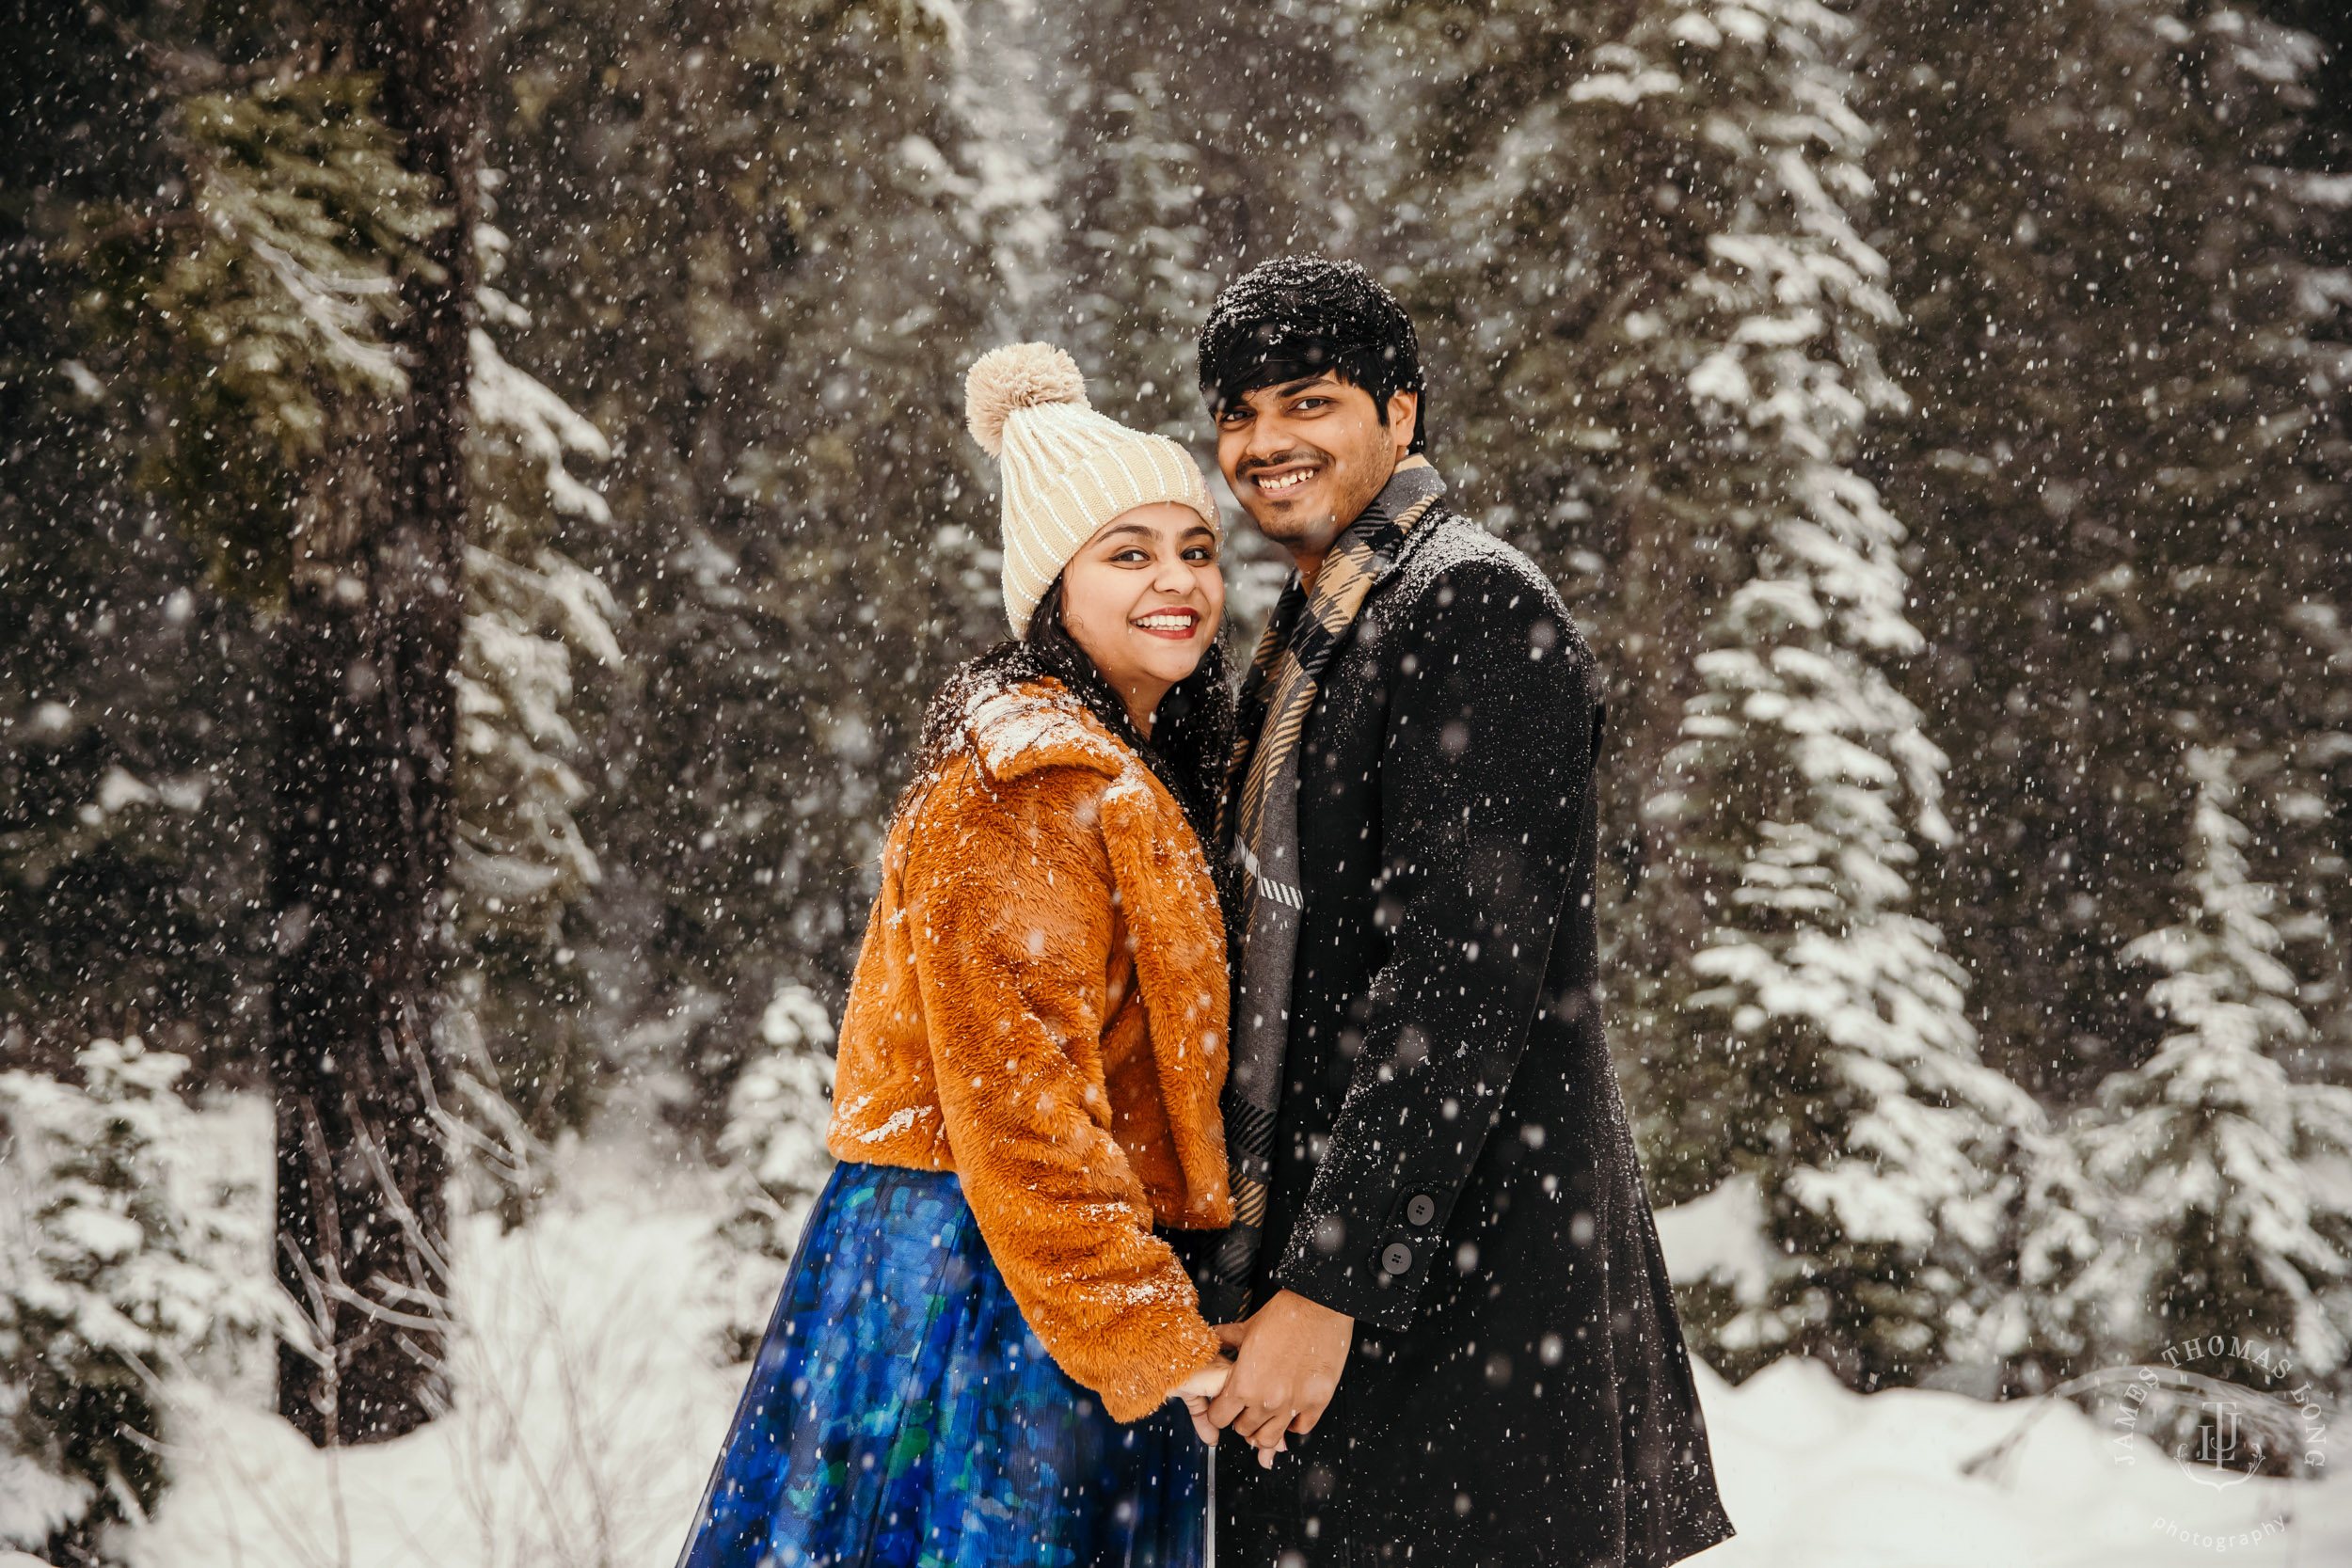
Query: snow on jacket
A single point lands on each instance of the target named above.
(1040, 1007)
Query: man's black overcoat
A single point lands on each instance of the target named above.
(1453, 1163)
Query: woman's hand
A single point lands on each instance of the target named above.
(1198, 1390)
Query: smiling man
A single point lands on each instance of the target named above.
(1458, 1342)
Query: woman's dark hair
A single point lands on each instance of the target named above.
(1300, 316)
(1192, 730)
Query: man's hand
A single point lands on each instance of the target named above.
(1292, 1353)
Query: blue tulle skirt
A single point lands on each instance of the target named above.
(901, 1414)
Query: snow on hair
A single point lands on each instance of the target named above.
(1019, 375)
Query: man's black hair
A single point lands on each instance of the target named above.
(1300, 316)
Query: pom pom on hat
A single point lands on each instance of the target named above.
(1017, 376)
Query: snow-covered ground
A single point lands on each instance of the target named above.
(588, 1413)
(587, 1407)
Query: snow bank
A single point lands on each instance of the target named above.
(1815, 1475)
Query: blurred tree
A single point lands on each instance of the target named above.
(285, 357)
(2127, 466)
(367, 658)
(1269, 104)
(254, 292)
(121, 1267)
(522, 867)
(764, 239)
(2229, 1174)
(132, 848)
(1642, 225)
(1138, 290)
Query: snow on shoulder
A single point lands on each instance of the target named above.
(1462, 554)
(1018, 730)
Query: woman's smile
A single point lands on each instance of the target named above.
(1176, 622)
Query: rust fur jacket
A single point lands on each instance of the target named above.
(1040, 1007)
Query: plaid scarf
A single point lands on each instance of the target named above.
(1259, 822)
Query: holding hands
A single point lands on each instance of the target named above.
(1290, 1352)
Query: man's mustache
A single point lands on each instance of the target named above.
(1280, 460)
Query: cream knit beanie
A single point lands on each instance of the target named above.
(1068, 469)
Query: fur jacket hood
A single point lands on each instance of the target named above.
(1040, 1007)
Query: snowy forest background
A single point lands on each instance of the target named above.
(1933, 412)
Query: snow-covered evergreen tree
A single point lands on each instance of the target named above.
(775, 1147)
(270, 322)
(1603, 198)
(2235, 1182)
(522, 865)
(177, 353)
(995, 152)
(2046, 1288)
(1820, 1025)
(776, 1115)
(114, 1269)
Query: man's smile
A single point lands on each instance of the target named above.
(1276, 482)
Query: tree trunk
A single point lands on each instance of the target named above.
(362, 799)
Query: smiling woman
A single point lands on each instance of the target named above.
(976, 1350)
(1144, 598)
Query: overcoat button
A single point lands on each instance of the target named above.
(1396, 1257)
(1420, 1210)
